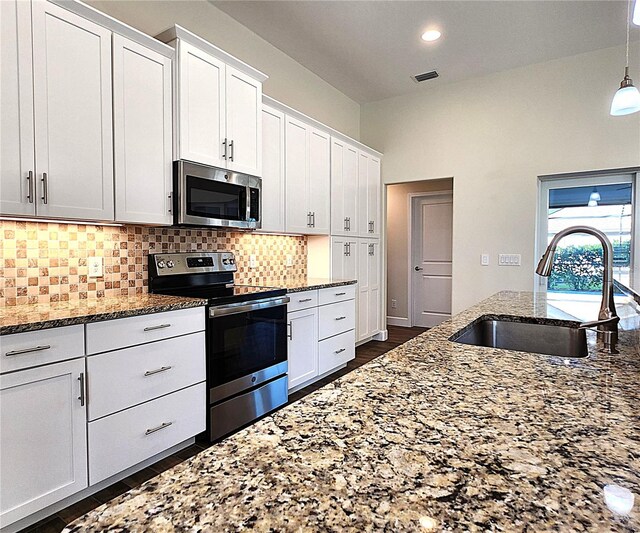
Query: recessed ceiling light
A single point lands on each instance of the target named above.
(431, 35)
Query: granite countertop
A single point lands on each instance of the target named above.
(309, 284)
(433, 435)
(30, 317)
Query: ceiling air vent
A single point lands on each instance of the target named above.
(426, 76)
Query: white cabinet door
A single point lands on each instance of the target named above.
(43, 442)
(363, 194)
(319, 176)
(344, 255)
(303, 346)
(374, 287)
(344, 188)
(362, 324)
(296, 175)
(373, 197)
(142, 133)
(273, 182)
(17, 165)
(244, 122)
(201, 107)
(73, 109)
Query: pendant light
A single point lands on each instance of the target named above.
(627, 98)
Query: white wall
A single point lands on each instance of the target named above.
(289, 81)
(495, 135)
(397, 238)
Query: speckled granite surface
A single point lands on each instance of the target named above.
(431, 436)
(308, 284)
(29, 317)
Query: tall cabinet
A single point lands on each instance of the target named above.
(273, 177)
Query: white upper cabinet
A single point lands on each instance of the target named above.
(308, 175)
(273, 182)
(17, 164)
(201, 111)
(344, 188)
(219, 120)
(244, 122)
(369, 187)
(73, 107)
(142, 133)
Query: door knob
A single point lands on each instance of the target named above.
(418, 269)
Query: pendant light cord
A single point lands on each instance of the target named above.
(628, 28)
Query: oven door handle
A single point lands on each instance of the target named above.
(242, 307)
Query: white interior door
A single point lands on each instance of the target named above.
(73, 115)
(431, 245)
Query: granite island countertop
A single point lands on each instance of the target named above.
(30, 317)
(433, 435)
(309, 284)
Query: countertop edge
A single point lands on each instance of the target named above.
(327, 285)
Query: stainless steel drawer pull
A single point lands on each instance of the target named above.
(224, 143)
(340, 293)
(341, 350)
(45, 188)
(161, 426)
(341, 318)
(232, 150)
(30, 191)
(159, 326)
(157, 370)
(305, 300)
(28, 350)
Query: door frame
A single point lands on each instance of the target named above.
(410, 198)
(593, 177)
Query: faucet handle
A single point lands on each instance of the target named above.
(610, 320)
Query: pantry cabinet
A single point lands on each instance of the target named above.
(369, 297)
(344, 188)
(273, 178)
(43, 442)
(142, 133)
(369, 187)
(219, 105)
(308, 175)
(344, 257)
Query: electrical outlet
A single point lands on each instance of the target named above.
(253, 262)
(509, 260)
(95, 267)
(394, 304)
(484, 260)
(289, 260)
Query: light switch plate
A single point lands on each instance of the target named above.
(484, 259)
(95, 267)
(509, 260)
(253, 261)
(289, 260)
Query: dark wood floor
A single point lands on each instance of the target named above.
(57, 522)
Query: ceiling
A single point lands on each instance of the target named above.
(369, 49)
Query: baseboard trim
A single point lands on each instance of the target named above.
(398, 321)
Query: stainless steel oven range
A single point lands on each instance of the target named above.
(246, 335)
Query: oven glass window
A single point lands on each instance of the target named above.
(214, 199)
(244, 343)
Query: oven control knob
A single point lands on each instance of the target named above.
(232, 261)
(225, 261)
(161, 264)
(170, 264)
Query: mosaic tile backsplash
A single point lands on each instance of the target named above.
(47, 262)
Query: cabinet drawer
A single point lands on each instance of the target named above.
(336, 351)
(32, 348)
(336, 318)
(126, 438)
(336, 294)
(130, 376)
(123, 332)
(302, 300)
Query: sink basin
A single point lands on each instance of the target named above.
(547, 339)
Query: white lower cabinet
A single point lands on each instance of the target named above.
(303, 346)
(322, 336)
(43, 442)
(129, 437)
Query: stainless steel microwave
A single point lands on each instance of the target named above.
(210, 196)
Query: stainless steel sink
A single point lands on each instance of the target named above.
(547, 339)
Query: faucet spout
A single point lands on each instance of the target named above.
(607, 316)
